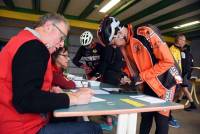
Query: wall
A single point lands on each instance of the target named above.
(72, 49)
(195, 49)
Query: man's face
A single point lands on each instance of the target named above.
(56, 35)
(120, 39)
(181, 41)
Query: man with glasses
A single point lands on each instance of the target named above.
(26, 78)
(62, 38)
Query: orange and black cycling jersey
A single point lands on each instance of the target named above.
(153, 60)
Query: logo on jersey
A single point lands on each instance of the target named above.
(174, 72)
(136, 48)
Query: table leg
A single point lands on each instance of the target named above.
(122, 124)
(192, 90)
(195, 94)
(85, 118)
(132, 123)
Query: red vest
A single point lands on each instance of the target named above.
(12, 122)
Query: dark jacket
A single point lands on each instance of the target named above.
(186, 61)
(112, 65)
(89, 56)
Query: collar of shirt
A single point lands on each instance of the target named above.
(33, 32)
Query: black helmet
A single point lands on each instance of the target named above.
(109, 27)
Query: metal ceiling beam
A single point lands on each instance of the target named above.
(62, 6)
(26, 10)
(88, 10)
(36, 5)
(147, 11)
(34, 17)
(124, 7)
(184, 30)
(174, 14)
(193, 35)
(74, 23)
(9, 4)
(183, 21)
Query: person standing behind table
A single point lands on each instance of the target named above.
(182, 55)
(90, 52)
(149, 72)
(26, 78)
(110, 69)
(60, 61)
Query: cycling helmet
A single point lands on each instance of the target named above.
(86, 38)
(108, 28)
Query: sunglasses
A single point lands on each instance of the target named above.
(62, 38)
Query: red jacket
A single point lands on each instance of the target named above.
(60, 80)
(12, 122)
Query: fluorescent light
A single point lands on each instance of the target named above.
(109, 5)
(187, 24)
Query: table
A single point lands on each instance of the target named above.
(195, 81)
(127, 114)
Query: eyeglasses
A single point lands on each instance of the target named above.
(66, 56)
(120, 36)
(62, 38)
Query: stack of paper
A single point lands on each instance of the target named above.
(73, 77)
(149, 99)
(111, 89)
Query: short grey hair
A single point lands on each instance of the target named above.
(178, 36)
(54, 17)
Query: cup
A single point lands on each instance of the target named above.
(84, 83)
(94, 83)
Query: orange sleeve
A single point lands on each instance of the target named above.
(125, 70)
(162, 54)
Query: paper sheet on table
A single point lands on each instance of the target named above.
(149, 99)
(96, 99)
(73, 77)
(78, 78)
(93, 99)
(78, 84)
(100, 92)
(112, 89)
(95, 91)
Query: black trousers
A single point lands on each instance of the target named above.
(147, 118)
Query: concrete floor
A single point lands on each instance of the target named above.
(190, 123)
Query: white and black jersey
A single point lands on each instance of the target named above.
(89, 56)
